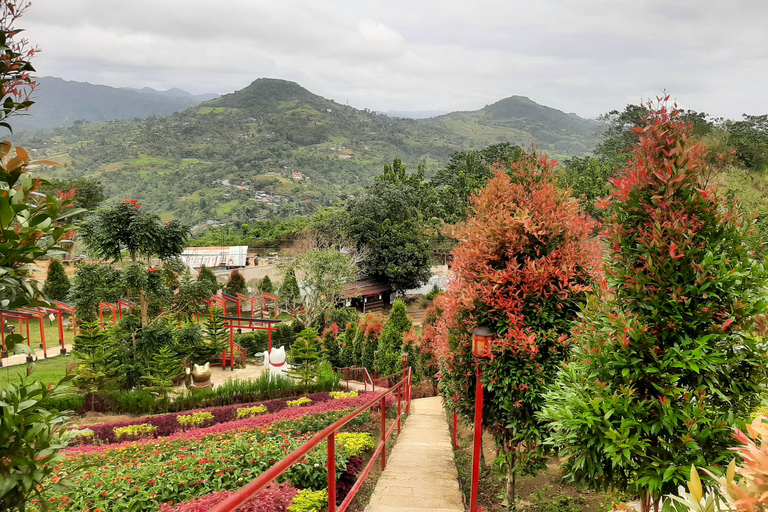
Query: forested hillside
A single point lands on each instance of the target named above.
(275, 148)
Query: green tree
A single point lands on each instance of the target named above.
(89, 193)
(266, 285)
(163, 371)
(148, 286)
(236, 283)
(388, 224)
(124, 227)
(664, 363)
(390, 347)
(324, 276)
(56, 285)
(288, 293)
(466, 173)
(215, 331)
(588, 180)
(749, 138)
(205, 275)
(97, 363)
(306, 356)
(190, 300)
(94, 283)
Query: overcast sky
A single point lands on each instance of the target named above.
(582, 56)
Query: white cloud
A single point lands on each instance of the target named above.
(582, 56)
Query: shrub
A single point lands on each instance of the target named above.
(309, 501)
(299, 402)
(434, 292)
(275, 498)
(70, 402)
(134, 432)
(249, 412)
(134, 401)
(196, 420)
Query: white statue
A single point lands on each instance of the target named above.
(275, 362)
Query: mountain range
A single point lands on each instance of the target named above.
(61, 102)
(272, 147)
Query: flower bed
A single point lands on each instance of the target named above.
(141, 476)
(262, 421)
(168, 424)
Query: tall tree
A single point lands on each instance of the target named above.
(205, 275)
(124, 227)
(56, 285)
(388, 224)
(523, 266)
(236, 283)
(664, 362)
(323, 276)
(466, 173)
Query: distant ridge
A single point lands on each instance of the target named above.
(174, 92)
(61, 102)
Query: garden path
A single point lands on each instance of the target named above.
(53, 351)
(421, 474)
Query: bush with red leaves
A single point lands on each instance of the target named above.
(275, 498)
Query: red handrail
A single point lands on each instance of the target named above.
(366, 376)
(250, 490)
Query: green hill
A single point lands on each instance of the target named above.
(190, 164)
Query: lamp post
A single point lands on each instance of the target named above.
(481, 349)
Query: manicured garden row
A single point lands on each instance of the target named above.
(262, 421)
(141, 476)
(168, 424)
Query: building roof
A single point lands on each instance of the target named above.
(366, 288)
(228, 256)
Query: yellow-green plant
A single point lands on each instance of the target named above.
(84, 436)
(338, 395)
(249, 412)
(309, 501)
(134, 432)
(355, 443)
(194, 420)
(299, 402)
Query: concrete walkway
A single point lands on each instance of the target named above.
(421, 474)
(53, 351)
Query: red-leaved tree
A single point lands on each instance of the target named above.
(524, 263)
(667, 360)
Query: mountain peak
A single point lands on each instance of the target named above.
(267, 93)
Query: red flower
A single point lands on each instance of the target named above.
(137, 206)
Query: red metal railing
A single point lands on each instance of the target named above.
(329, 435)
(358, 372)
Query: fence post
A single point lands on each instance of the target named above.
(399, 401)
(383, 433)
(332, 472)
(455, 429)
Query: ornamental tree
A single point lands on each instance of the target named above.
(124, 227)
(390, 346)
(665, 361)
(524, 264)
(236, 283)
(56, 285)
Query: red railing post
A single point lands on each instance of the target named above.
(383, 433)
(332, 472)
(399, 401)
(455, 430)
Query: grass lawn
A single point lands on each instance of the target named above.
(51, 334)
(46, 370)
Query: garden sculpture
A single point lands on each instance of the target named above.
(274, 362)
(199, 378)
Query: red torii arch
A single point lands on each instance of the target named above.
(69, 309)
(60, 320)
(23, 316)
(111, 307)
(239, 323)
